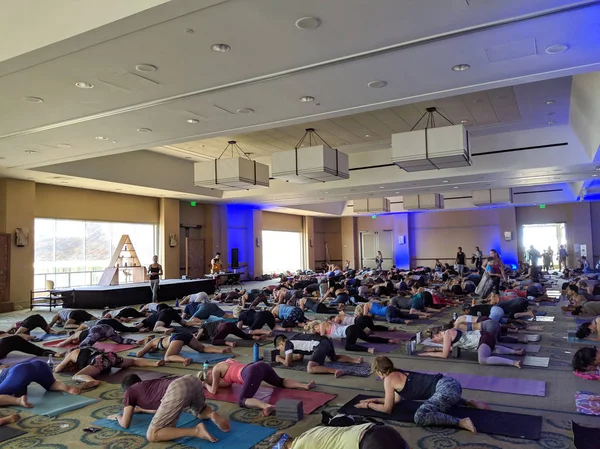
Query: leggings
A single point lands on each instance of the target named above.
(226, 329)
(104, 332)
(154, 286)
(34, 321)
(20, 376)
(485, 355)
(262, 318)
(295, 316)
(16, 343)
(256, 301)
(129, 312)
(492, 327)
(496, 284)
(353, 333)
(117, 325)
(207, 309)
(253, 375)
(448, 393)
(395, 315)
(377, 437)
(364, 322)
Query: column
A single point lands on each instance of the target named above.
(168, 226)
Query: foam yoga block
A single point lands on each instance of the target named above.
(289, 410)
(54, 403)
(7, 433)
(240, 436)
(585, 437)
(197, 357)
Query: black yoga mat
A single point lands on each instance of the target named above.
(585, 437)
(492, 422)
(6, 433)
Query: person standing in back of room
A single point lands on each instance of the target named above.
(155, 271)
(478, 258)
(460, 261)
(562, 258)
(379, 261)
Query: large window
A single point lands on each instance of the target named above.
(75, 253)
(282, 251)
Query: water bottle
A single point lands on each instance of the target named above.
(255, 353)
(418, 337)
(205, 369)
(50, 362)
(454, 316)
(177, 302)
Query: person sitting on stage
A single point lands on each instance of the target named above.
(225, 374)
(350, 333)
(71, 318)
(30, 323)
(125, 314)
(92, 363)
(160, 321)
(256, 320)
(289, 316)
(166, 399)
(174, 343)
(99, 332)
(318, 347)
(10, 343)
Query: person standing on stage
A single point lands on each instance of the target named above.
(215, 264)
(155, 271)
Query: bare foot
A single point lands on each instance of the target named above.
(408, 322)
(11, 419)
(139, 354)
(467, 424)
(359, 360)
(338, 373)
(73, 390)
(24, 402)
(226, 351)
(478, 404)
(89, 385)
(520, 352)
(221, 422)
(187, 362)
(267, 411)
(203, 434)
(518, 364)
(311, 385)
(231, 344)
(371, 350)
(160, 363)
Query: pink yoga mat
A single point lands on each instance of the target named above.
(311, 400)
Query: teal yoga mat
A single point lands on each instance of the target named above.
(241, 435)
(197, 357)
(54, 403)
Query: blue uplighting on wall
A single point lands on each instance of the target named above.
(239, 231)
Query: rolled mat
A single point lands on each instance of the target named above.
(587, 403)
(585, 437)
(349, 369)
(378, 347)
(12, 359)
(197, 357)
(6, 433)
(492, 422)
(311, 400)
(54, 403)
(240, 436)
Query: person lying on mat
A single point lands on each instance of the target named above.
(229, 297)
(315, 305)
(350, 333)
(438, 392)
(91, 363)
(586, 362)
(174, 343)
(390, 313)
(30, 323)
(166, 399)
(217, 331)
(15, 380)
(589, 330)
(589, 308)
(199, 297)
(100, 332)
(112, 322)
(253, 298)
(317, 347)
(289, 316)
(10, 343)
(256, 320)
(225, 374)
(481, 341)
(125, 314)
(71, 318)
(362, 436)
(206, 310)
(153, 307)
(161, 321)
(517, 308)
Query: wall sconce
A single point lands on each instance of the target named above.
(172, 240)
(310, 242)
(258, 242)
(508, 236)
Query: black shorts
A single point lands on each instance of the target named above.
(80, 316)
(185, 338)
(34, 321)
(262, 318)
(323, 351)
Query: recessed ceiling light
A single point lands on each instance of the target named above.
(308, 23)
(63, 145)
(64, 182)
(445, 181)
(381, 187)
(245, 111)
(114, 141)
(550, 102)
(597, 169)
(307, 99)
(367, 135)
(455, 187)
(192, 121)
(556, 49)
(594, 175)
(550, 122)
(189, 30)
(144, 130)
(397, 193)
(220, 48)
(377, 84)
(30, 151)
(464, 121)
(146, 68)
(519, 174)
(101, 138)
(461, 67)
(33, 99)
(84, 85)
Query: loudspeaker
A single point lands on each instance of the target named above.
(235, 263)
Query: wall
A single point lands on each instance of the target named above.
(240, 235)
(595, 220)
(192, 216)
(349, 241)
(169, 224)
(327, 231)
(273, 221)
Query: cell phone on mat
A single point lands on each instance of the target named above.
(92, 429)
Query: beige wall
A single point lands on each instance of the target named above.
(349, 241)
(273, 221)
(327, 234)
(169, 224)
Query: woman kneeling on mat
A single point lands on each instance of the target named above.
(350, 333)
(589, 330)
(481, 341)
(439, 392)
(30, 323)
(99, 332)
(229, 372)
(174, 343)
(217, 331)
(9, 343)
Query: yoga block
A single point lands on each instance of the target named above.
(270, 354)
(289, 410)
(455, 352)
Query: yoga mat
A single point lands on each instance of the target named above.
(311, 400)
(580, 321)
(529, 348)
(54, 403)
(103, 345)
(397, 335)
(12, 359)
(571, 338)
(585, 437)
(547, 303)
(117, 375)
(47, 337)
(541, 362)
(349, 369)
(7, 433)
(587, 403)
(543, 319)
(241, 435)
(239, 343)
(542, 314)
(379, 347)
(492, 422)
(500, 385)
(197, 357)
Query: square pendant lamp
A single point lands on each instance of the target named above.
(428, 201)
(371, 205)
(492, 197)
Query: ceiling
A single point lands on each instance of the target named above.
(153, 71)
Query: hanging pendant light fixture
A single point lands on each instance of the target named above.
(235, 173)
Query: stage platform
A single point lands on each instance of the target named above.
(101, 296)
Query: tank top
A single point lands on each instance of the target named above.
(154, 273)
(284, 311)
(234, 373)
(337, 331)
(419, 386)
(378, 309)
(469, 341)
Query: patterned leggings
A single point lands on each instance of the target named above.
(448, 393)
(295, 316)
(104, 332)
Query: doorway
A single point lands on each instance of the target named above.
(371, 242)
(543, 237)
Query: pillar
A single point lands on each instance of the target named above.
(309, 243)
(509, 249)
(169, 225)
(257, 226)
(349, 241)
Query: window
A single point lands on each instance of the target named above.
(73, 253)
(282, 251)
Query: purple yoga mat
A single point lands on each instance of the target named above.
(379, 347)
(404, 336)
(500, 385)
(12, 359)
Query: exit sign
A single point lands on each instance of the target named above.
(193, 204)
(542, 206)
(373, 217)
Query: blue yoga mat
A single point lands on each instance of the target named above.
(47, 337)
(197, 357)
(241, 435)
(571, 338)
(54, 403)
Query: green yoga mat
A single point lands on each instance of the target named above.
(54, 403)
